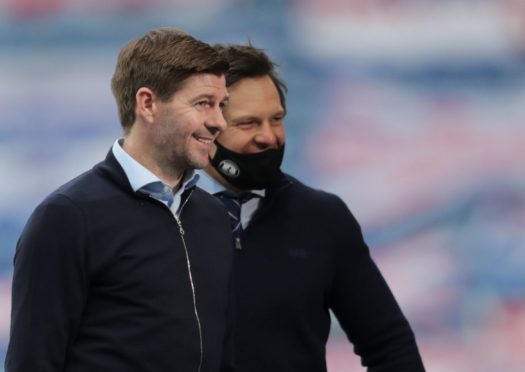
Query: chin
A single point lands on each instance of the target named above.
(196, 159)
(199, 163)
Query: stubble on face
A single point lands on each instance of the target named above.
(185, 129)
(170, 156)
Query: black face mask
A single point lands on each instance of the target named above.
(248, 171)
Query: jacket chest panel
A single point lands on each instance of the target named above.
(288, 270)
(140, 259)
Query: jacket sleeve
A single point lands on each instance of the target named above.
(364, 304)
(49, 289)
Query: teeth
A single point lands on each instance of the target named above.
(204, 140)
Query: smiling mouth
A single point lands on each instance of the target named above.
(204, 140)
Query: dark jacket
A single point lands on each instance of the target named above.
(103, 281)
(302, 254)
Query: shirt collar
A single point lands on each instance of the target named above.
(140, 176)
(209, 184)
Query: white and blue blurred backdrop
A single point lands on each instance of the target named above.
(413, 111)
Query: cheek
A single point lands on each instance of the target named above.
(281, 135)
(185, 129)
(235, 140)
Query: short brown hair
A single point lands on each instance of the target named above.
(160, 60)
(246, 61)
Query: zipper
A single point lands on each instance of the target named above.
(193, 292)
(237, 243)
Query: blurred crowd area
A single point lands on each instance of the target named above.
(413, 111)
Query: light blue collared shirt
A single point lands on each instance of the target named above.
(209, 184)
(141, 178)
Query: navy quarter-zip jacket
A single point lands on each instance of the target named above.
(302, 255)
(105, 280)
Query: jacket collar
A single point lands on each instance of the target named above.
(111, 169)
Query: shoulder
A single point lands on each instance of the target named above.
(303, 200)
(95, 188)
(65, 196)
(55, 225)
(59, 209)
(297, 190)
(68, 200)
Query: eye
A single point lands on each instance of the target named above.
(246, 123)
(277, 119)
(203, 103)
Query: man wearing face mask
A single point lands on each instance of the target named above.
(299, 252)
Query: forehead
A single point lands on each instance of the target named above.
(208, 84)
(253, 96)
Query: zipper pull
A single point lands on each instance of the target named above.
(237, 241)
(181, 230)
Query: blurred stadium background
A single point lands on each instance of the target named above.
(412, 110)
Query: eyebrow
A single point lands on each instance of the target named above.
(256, 117)
(211, 97)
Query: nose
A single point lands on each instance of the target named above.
(266, 137)
(216, 121)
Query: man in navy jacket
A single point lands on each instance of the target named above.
(127, 267)
(299, 251)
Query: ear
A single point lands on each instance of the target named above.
(146, 106)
